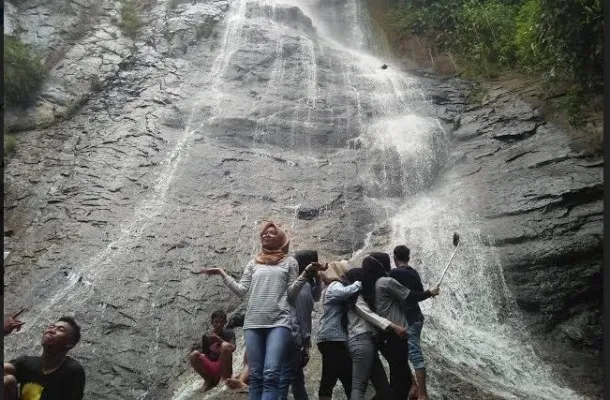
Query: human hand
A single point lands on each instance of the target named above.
(359, 284)
(211, 271)
(434, 291)
(12, 324)
(313, 268)
(400, 331)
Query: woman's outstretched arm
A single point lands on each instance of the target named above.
(239, 288)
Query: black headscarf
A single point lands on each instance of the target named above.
(374, 266)
(377, 264)
(304, 258)
(368, 285)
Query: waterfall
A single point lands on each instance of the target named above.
(474, 326)
(294, 95)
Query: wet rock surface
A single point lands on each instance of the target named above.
(180, 152)
(540, 201)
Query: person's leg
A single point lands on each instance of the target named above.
(299, 392)
(413, 392)
(395, 351)
(208, 370)
(378, 378)
(362, 351)
(343, 362)
(276, 354)
(226, 361)
(329, 372)
(289, 369)
(10, 388)
(256, 344)
(417, 359)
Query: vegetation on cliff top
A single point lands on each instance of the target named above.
(558, 40)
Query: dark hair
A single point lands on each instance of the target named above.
(304, 258)
(75, 328)
(374, 266)
(218, 314)
(368, 285)
(402, 253)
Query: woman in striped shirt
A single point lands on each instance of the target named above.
(269, 283)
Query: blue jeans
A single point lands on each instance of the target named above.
(415, 355)
(267, 350)
(292, 375)
(367, 365)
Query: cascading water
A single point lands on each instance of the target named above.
(295, 82)
(472, 327)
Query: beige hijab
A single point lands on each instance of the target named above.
(334, 273)
(274, 253)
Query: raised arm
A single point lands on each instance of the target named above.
(401, 293)
(240, 288)
(295, 281)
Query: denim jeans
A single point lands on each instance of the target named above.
(292, 375)
(415, 355)
(366, 365)
(267, 350)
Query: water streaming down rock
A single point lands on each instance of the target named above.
(289, 117)
(474, 329)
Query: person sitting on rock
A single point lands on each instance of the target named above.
(53, 375)
(215, 361)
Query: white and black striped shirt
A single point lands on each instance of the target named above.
(270, 288)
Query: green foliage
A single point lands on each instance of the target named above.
(130, 22)
(24, 71)
(572, 31)
(425, 18)
(482, 39)
(559, 39)
(10, 144)
(572, 105)
(530, 53)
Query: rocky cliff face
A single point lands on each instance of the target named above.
(539, 195)
(164, 152)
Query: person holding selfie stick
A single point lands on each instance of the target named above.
(270, 283)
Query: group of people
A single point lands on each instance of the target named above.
(366, 311)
